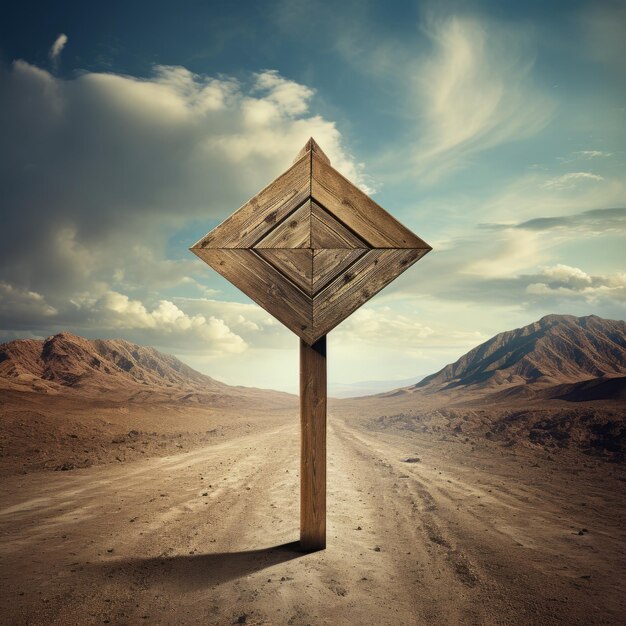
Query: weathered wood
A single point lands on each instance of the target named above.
(311, 146)
(259, 215)
(362, 280)
(327, 232)
(293, 232)
(357, 211)
(310, 249)
(265, 285)
(302, 241)
(313, 445)
(296, 265)
(328, 264)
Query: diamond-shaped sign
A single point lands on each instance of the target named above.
(310, 248)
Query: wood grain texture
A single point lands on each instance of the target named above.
(265, 285)
(327, 232)
(259, 215)
(293, 232)
(311, 146)
(311, 247)
(313, 445)
(296, 265)
(357, 211)
(328, 264)
(358, 284)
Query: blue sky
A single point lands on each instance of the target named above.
(496, 131)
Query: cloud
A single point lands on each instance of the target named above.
(57, 48)
(100, 174)
(571, 179)
(565, 282)
(475, 90)
(501, 256)
(595, 221)
(23, 306)
(166, 324)
(382, 325)
(592, 154)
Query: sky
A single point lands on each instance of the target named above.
(496, 131)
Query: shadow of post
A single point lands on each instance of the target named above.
(186, 572)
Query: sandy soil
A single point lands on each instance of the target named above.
(469, 534)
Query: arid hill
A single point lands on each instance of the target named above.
(115, 370)
(66, 361)
(553, 354)
(67, 402)
(557, 383)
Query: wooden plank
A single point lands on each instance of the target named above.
(313, 445)
(327, 232)
(357, 211)
(311, 146)
(265, 285)
(328, 264)
(259, 215)
(293, 232)
(373, 271)
(296, 265)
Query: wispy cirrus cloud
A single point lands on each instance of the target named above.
(57, 47)
(571, 179)
(475, 90)
(593, 221)
(592, 154)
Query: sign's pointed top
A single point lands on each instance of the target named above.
(311, 146)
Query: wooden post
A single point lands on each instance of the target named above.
(311, 248)
(313, 445)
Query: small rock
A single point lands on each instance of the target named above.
(412, 459)
(241, 619)
(377, 549)
(110, 550)
(359, 528)
(66, 467)
(206, 493)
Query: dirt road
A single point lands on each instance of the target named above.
(465, 535)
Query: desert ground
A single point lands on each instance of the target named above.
(152, 530)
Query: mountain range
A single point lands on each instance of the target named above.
(112, 368)
(559, 382)
(559, 356)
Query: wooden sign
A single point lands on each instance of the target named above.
(311, 248)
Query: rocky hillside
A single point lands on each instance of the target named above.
(557, 350)
(66, 362)
(559, 383)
